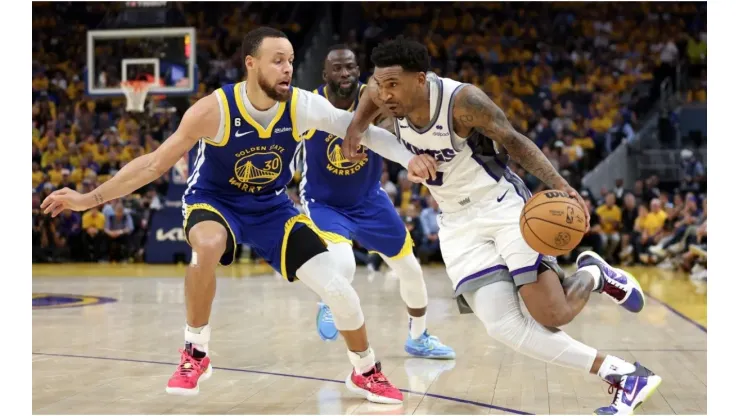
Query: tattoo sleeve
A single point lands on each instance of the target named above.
(474, 110)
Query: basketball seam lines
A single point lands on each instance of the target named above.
(551, 202)
(538, 237)
(554, 223)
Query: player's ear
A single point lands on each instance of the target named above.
(422, 78)
(323, 75)
(249, 62)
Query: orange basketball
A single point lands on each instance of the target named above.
(552, 223)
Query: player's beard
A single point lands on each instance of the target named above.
(342, 92)
(270, 90)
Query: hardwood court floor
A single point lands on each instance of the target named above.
(105, 341)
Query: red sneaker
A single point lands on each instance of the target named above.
(374, 386)
(189, 374)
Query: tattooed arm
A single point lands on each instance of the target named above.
(473, 110)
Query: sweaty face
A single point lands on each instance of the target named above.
(341, 72)
(273, 67)
(398, 90)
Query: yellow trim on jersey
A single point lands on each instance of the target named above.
(190, 208)
(288, 228)
(293, 112)
(227, 120)
(264, 133)
(335, 238)
(408, 248)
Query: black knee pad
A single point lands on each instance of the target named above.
(200, 215)
(303, 245)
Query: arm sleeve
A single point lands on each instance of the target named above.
(316, 112)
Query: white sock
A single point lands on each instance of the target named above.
(363, 361)
(198, 337)
(417, 326)
(596, 274)
(614, 365)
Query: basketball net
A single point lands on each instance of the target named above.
(135, 92)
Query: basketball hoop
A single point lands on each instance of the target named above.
(135, 92)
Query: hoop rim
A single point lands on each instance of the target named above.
(136, 85)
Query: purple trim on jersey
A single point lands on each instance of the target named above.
(482, 273)
(519, 186)
(484, 166)
(434, 119)
(532, 268)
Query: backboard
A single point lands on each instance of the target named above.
(165, 56)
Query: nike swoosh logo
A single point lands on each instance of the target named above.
(501, 198)
(240, 134)
(631, 395)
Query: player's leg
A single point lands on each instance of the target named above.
(291, 243)
(497, 306)
(336, 229)
(212, 241)
(550, 298)
(379, 228)
(323, 271)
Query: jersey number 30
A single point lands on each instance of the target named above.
(437, 181)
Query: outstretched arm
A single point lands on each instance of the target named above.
(367, 111)
(473, 110)
(201, 120)
(318, 113)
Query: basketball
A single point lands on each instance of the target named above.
(552, 223)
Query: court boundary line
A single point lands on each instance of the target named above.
(679, 314)
(296, 376)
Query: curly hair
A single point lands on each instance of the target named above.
(409, 54)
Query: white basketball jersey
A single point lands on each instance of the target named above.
(469, 168)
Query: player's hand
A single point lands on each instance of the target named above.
(351, 145)
(577, 196)
(421, 168)
(63, 199)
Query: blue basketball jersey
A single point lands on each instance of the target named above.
(329, 177)
(251, 165)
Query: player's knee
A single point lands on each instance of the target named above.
(411, 278)
(209, 246)
(344, 303)
(507, 328)
(343, 260)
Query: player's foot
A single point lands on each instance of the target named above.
(325, 323)
(631, 391)
(428, 346)
(619, 285)
(374, 386)
(190, 372)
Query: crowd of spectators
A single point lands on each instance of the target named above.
(564, 73)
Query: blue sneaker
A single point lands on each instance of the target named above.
(428, 346)
(619, 285)
(325, 323)
(632, 390)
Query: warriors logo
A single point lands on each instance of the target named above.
(256, 167)
(338, 164)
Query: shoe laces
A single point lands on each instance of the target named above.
(188, 363)
(379, 379)
(616, 389)
(327, 317)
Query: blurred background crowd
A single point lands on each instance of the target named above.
(579, 79)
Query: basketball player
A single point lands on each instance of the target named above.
(481, 199)
(344, 199)
(247, 134)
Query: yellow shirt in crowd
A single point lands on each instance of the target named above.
(653, 222)
(93, 220)
(610, 217)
